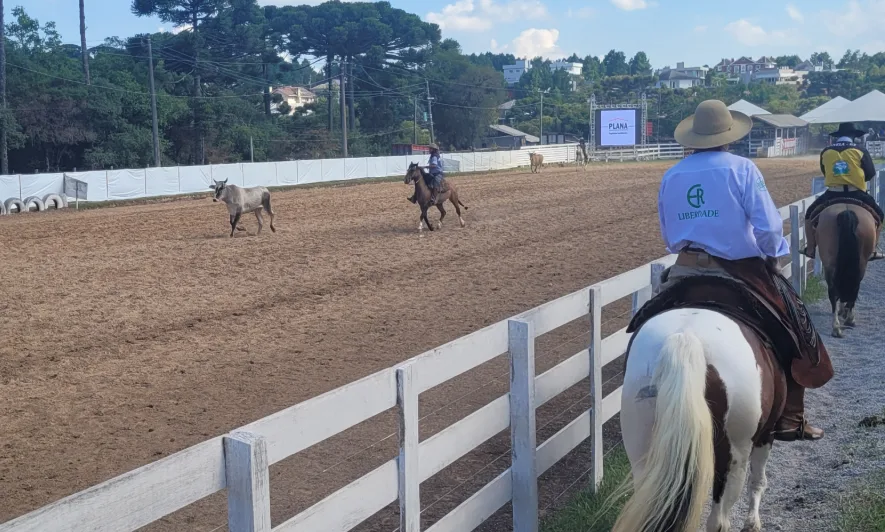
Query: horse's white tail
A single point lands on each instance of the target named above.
(678, 467)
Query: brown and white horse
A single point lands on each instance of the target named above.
(700, 396)
(846, 237)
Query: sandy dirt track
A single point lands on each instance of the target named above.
(131, 333)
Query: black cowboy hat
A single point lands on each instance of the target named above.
(847, 129)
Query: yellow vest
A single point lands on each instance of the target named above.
(842, 166)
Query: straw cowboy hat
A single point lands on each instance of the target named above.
(847, 129)
(712, 125)
(433, 146)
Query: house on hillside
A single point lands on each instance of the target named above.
(682, 77)
(575, 69)
(776, 76)
(734, 68)
(294, 97)
(513, 72)
(504, 111)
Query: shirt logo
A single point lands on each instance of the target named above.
(695, 196)
(760, 184)
(840, 168)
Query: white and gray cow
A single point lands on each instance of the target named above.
(241, 200)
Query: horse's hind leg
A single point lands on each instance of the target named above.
(720, 514)
(265, 202)
(455, 202)
(442, 214)
(260, 220)
(848, 317)
(758, 484)
(834, 305)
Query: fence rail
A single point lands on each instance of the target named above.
(239, 460)
(128, 184)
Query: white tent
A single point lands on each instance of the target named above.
(743, 106)
(836, 103)
(868, 108)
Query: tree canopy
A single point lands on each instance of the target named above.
(213, 77)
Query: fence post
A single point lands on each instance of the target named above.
(407, 462)
(596, 464)
(795, 257)
(803, 260)
(523, 443)
(881, 198)
(248, 482)
(818, 265)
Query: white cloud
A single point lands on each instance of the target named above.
(584, 12)
(465, 15)
(749, 34)
(700, 29)
(856, 18)
(794, 13)
(630, 5)
(531, 43)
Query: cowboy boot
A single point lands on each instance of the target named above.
(810, 240)
(792, 425)
(876, 254)
(434, 192)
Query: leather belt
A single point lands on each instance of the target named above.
(693, 257)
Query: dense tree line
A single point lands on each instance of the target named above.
(213, 76)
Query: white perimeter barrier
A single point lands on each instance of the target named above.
(239, 461)
(127, 184)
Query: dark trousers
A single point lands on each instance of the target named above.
(854, 194)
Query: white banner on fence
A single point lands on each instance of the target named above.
(39, 185)
(126, 184)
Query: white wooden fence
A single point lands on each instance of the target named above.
(128, 184)
(639, 153)
(239, 461)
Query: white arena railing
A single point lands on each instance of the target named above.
(239, 461)
(130, 184)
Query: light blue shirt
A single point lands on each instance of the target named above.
(718, 202)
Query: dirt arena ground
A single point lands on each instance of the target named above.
(130, 333)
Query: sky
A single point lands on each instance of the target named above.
(669, 31)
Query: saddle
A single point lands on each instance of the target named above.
(762, 300)
(814, 213)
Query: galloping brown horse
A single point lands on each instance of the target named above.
(422, 198)
(846, 237)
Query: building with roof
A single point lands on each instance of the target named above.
(507, 137)
(575, 69)
(294, 97)
(512, 73)
(734, 68)
(776, 135)
(749, 109)
(868, 108)
(775, 76)
(682, 77)
(836, 103)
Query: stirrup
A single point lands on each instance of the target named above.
(877, 255)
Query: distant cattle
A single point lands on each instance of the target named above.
(241, 200)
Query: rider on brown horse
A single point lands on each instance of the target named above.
(434, 177)
(717, 214)
(846, 167)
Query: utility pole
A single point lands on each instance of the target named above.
(251, 150)
(83, 51)
(4, 156)
(156, 135)
(342, 97)
(429, 109)
(415, 122)
(541, 135)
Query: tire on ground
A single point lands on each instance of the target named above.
(55, 201)
(33, 200)
(14, 202)
(2, 208)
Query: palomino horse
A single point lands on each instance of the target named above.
(422, 198)
(536, 160)
(846, 237)
(701, 394)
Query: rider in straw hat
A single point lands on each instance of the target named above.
(717, 214)
(846, 167)
(435, 170)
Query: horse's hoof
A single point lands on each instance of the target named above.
(439, 225)
(837, 333)
(752, 528)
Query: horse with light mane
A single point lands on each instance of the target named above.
(415, 174)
